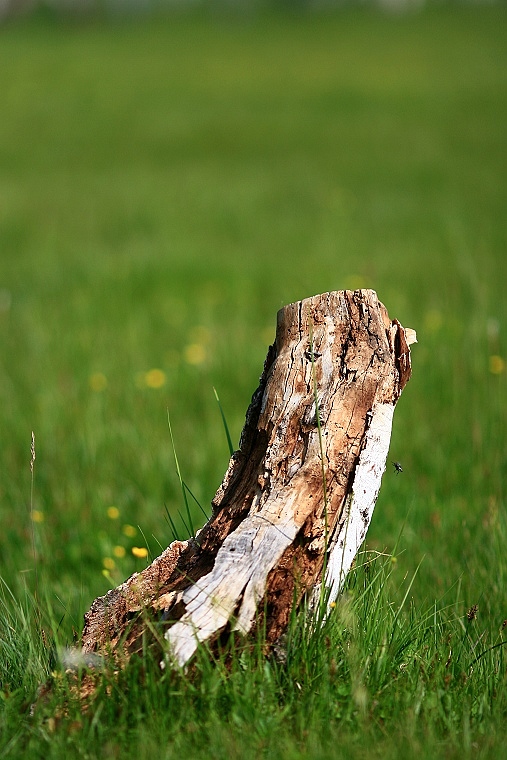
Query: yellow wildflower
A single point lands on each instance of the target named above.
(98, 382)
(155, 378)
(496, 364)
(195, 353)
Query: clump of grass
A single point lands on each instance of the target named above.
(375, 668)
(370, 664)
(23, 654)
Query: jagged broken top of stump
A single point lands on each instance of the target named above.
(298, 495)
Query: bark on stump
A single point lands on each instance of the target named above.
(298, 495)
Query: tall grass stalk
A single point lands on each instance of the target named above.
(32, 531)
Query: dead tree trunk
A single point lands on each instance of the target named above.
(298, 495)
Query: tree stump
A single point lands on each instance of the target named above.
(298, 495)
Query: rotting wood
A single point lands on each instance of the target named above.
(297, 498)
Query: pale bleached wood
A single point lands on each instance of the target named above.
(298, 494)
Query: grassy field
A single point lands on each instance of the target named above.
(165, 187)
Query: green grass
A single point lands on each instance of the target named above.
(165, 187)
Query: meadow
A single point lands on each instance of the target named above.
(166, 185)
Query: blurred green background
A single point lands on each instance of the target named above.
(167, 183)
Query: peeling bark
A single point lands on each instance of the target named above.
(297, 497)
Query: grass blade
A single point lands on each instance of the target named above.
(182, 484)
(226, 427)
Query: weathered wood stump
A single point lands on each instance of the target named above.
(298, 495)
